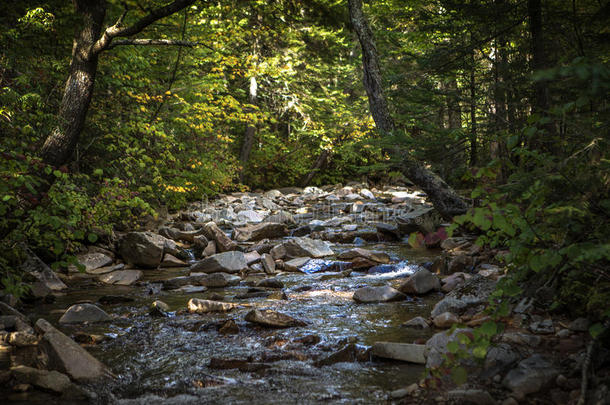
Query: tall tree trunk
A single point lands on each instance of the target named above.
(541, 101)
(498, 149)
(60, 145)
(454, 109)
(473, 114)
(447, 202)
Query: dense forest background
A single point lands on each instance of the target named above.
(504, 99)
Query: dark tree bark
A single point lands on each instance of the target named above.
(89, 41)
(447, 202)
(534, 8)
(473, 114)
(454, 110)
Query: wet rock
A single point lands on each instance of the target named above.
(389, 231)
(420, 282)
(191, 289)
(268, 263)
(499, 358)
(179, 235)
(22, 339)
(222, 242)
(411, 353)
(219, 280)
(227, 364)
(273, 194)
(309, 340)
(229, 328)
(367, 194)
(274, 319)
(121, 277)
(210, 249)
(177, 282)
(281, 217)
(228, 262)
(265, 230)
(200, 306)
(473, 292)
(530, 376)
(377, 294)
(374, 256)
(404, 392)
(172, 261)
(417, 323)
(252, 257)
(471, 397)
(451, 282)
(436, 346)
(349, 353)
(143, 249)
(301, 247)
(66, 356)
(81, 313)
(296, 264)
(92, 261)
(47, 380)
(41, 272)
(106, 269)
(445, 320)
(159, 308)
(270, 283)
(459, 263)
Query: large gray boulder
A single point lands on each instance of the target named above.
(143, 249)
(81, 313)
(223, 242)
(420, 282)
(264, 230)
(530, 376)
(377, 294)
(66, 356)
(473, 292)
(378, 257)
(301, 247)
(227, 262)
(43, 273)
(436, 346)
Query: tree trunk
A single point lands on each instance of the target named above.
(454, 110)
(447, 202)
(534, 8)
(473, 114)
(318, 165)
(60, 145)
(246, 146)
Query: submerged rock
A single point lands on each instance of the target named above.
(228, 262)
(80, 313)
(274, 319)
(377, 294)
(411, 353)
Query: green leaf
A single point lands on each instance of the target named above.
(453, 347)
(596, 329)
(459, 375)
(480, 352)
(92, 237)
(489, 328)
(98, 172)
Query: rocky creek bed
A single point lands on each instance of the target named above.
(291, 296)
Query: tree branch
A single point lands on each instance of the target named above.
(118, 30)
(163, 42)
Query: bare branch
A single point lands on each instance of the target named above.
(118, 30)
(162, 42)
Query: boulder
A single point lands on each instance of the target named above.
(417, 323)
(172, 261)
(264, 230)
(436, 346)
(92, 261)
(301, 247)
(270, 283)
(142, 249)
(177, 282)
(268, 263)
(214, 233)
(378, 257)
(43, 273)
(227, 262)
(250, 216)
(351, 352)
(81, 313)
(200, 306)
(177, 234)
(159, 308)
(530, 376)
(445, 320)
(219, 280)
(273, 319)
(53, 381)
(474, 291)
(411, 353)
(296, 264)
(377, 294)
(121, 277)
(420, 282)
(281, 217)
(66, 356)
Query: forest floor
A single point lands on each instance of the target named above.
(290, 296)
